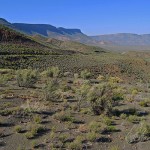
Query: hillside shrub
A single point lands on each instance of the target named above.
(141, 134)
(85, 74)
(50, 90)
(27, 78)
(101, 98)
(53, 72)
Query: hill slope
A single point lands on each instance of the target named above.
(13, 42)
(68, 45)
(125, 39)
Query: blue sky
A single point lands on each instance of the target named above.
(93, 17)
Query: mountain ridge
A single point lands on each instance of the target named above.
(64, 34)
(125, 39)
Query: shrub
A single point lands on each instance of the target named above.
(34, 131)
(101, 78)
(67, 74)
(29, 135)
(144, 129)
(52, 135)
(91, 136)
(3, 80)
(111, 128)
(80, 138)
(142, 133)
(34, 144)
(115, 80)
(107, 121)
(94, 126)
(123, 116)
(65, 117)
(85, 74)
(75, 145)
(76, 76)
(101, 98)
(81, 93)
(53, 72)
(114, 148)
(37, 119)
(27, 78)
(133, 118)
(50, 90)
(144, 103)
(37, 129)
(63, 137)
(118, 94)
(18, 129)
(134, 91)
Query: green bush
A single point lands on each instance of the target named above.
(18, 129)
(111, 128)
(51, 90)
(133, 118)
(114, 148)
(94, 126)
(75, 145)
(27, 78)
(63, 137)
(91, 136)
(85, 74)
(107, 121)
(123, 116)
(81, 93)
(29, 135)
(53, 72)
(34, 131)
(4, 79)
(141, 134)
(144, 103)
(101, 98)
(64, 117)
(37, 119)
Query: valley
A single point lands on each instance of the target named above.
(62, 90)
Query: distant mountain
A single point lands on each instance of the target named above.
(125, 39)
(111, 40)
(51, 32)
(57, 33)
(4, 22)
(14, 42)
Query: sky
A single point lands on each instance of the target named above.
(93, 17)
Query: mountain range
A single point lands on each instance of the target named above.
(63, 34)
(14, 42)
(125, 39)
(51, 32)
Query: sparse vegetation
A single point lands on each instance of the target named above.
(18, 129)
(101, 98)
(67, 95)
(85, 74)
(144, 103)
(27, 78)
(92, 136)
(53, 72)
(142, 133)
